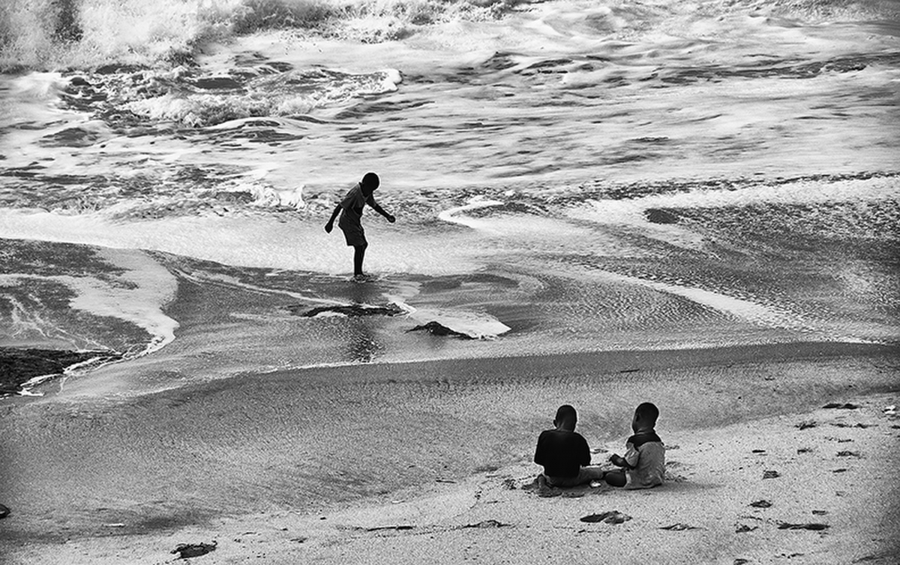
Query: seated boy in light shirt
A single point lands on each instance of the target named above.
(644, 463)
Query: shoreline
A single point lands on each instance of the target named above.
(611, 361)
(300, 443)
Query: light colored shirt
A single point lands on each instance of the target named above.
(647, 456)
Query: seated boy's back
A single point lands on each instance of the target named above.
(562, 452)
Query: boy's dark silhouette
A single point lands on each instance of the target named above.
(351, 209)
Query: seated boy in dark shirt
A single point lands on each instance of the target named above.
(564, 453)
(644, 464)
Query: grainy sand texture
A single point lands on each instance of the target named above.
(432, 462)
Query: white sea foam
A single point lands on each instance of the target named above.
(801, 192)
(148, 288)
(137, 295)
(454, 215)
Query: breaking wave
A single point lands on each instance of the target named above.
(57, 34)
(85, 34)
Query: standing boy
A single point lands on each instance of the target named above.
(564, 453)
(644, 464)
(351, 209)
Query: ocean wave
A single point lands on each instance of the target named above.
(57, 34)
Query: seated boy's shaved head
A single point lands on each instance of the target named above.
(566, 413)
(647, 412)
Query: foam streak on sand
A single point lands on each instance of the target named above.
(143, 288)
(744, 309)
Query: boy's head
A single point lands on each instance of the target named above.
(566, 418)
(370, 182)
(645, 416)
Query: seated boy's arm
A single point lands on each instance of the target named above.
(632, 456)
(619, 461)
(584, 453)
(630, 460)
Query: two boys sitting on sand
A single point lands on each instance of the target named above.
(566, 458)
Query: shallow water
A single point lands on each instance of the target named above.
(567, 176)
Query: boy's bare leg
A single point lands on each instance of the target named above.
(359, 254)
(615, 478)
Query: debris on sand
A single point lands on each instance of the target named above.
(679, 527)
(611, 517)
(399, 528)
(816, 527)
(486, 524)
(189, 550)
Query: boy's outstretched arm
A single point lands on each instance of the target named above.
(330, 225)
(382, 211)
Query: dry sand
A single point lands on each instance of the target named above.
(431, 463)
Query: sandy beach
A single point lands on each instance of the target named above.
(597, 202)
(432, 461)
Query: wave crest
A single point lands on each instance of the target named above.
(57, 34)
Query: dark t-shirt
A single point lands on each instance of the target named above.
(562, 453)
(352, 206)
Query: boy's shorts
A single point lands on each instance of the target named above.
(353, 233)
(584, 476)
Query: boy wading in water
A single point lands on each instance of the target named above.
(351, 209)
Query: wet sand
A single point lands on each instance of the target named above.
(253, 450)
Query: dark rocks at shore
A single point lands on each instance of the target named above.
(435, 328)
(350, 310)
(18, 366)
(657, 216)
